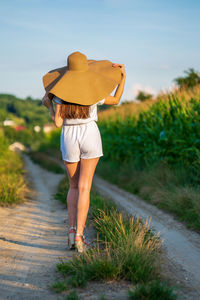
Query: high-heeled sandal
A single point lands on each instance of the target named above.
(71, 237)
(81, 245)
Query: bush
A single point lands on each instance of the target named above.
(153, 291)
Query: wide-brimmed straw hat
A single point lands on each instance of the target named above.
(82, 81)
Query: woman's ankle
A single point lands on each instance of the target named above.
(79, 236)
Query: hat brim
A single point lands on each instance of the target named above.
(83, 87)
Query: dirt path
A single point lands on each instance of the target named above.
(182, 246)
(32, 238)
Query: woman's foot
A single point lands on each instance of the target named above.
(71, 237)
(80, 244)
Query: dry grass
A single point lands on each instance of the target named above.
(134, 108)
(125, 109)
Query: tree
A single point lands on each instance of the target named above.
(191, 79)
(29, 98)
(143, 96)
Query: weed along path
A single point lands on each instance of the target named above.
(32, 238)
(182, 245)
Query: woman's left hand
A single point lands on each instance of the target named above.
(121, 67)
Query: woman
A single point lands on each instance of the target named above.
(81, 148)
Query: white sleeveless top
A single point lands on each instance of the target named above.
(92, 113)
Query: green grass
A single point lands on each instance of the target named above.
(13, 187)
(102, 297)
(72, 296)
(59, 286)
(153, 291)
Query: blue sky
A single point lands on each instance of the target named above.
(156, 40)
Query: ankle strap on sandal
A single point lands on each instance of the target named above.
(82, 235)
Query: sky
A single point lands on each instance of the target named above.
(156, 40)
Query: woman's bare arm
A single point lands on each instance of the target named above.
(55, 115)
(58, 121)
(110, 100)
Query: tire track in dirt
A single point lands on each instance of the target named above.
(182, 245)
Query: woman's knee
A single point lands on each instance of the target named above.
(87, 169)
(84, 187)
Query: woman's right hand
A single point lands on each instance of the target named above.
(121, 67)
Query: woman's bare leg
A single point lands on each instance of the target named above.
(87, 169)
(72, 196)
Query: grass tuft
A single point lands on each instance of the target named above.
(125, 248)
(153, 291)
(72, 296)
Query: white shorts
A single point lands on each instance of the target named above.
(80, 141)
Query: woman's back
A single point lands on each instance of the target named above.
(92, 113)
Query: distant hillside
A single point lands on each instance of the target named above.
(23, 111)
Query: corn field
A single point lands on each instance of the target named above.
(169, 130)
